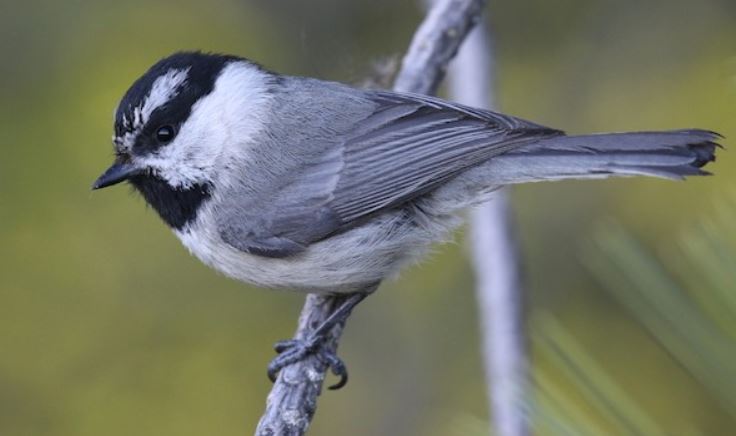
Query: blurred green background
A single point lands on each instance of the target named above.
(108, 326)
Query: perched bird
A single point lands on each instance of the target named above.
(292, 182)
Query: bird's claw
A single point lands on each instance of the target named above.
(294, 350)
(337, 366)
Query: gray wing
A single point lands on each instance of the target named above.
(408, 146)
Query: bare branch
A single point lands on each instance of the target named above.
(495, 258)
(435, 43)
(500, 302)
(293, 398)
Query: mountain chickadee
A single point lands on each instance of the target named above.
(291, 182)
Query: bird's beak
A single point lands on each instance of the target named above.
(118, 172)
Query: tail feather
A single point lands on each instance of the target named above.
(671, 154)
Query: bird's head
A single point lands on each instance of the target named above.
(175, 121)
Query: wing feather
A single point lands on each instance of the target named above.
(422, 144)
(408, 146)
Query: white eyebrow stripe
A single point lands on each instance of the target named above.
(164, 88)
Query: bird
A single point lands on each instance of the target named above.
(298, 183)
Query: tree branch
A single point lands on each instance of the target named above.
(435, 43)
(293, 399)
(495, 257)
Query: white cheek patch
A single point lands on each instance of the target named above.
(174, 168)
(221, 126)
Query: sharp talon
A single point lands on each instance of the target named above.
(284, 345)
(337, 367)
(272, 373)
(343, 381)
(293, 350)
(289, 352)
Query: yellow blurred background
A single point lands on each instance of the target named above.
(109, 327)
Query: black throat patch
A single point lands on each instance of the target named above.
(177, 207)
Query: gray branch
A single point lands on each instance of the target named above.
(435, 43)
(293, 399)
(495, 258)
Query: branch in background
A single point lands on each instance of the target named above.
(293, 398)
(495, 258)
(435, 43)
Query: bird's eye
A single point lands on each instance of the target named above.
(165, 134)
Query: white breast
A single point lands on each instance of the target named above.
(343, 263)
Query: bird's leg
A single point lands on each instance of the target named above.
(293, 350)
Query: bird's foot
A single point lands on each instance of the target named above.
(317, 343)
(294, 350)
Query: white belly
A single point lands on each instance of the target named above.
(343, 263)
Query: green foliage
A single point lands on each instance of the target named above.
(693, 320)
(672, 313)
(599, 391)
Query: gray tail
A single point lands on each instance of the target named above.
(672, 154)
